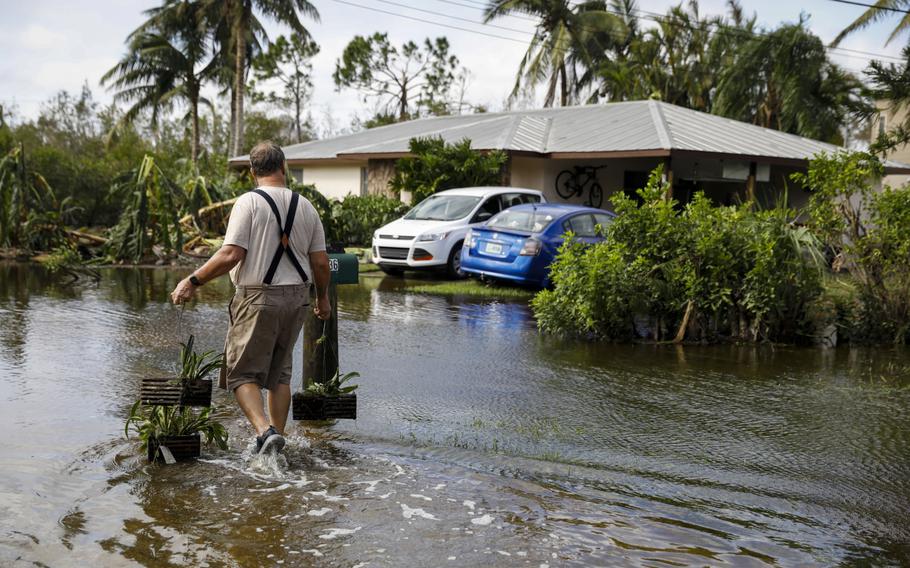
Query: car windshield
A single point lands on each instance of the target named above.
(443, 208)
(531, 221)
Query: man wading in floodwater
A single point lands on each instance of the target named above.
(274, 248)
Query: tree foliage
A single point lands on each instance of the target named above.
(167, 62)
(869, 231)
(287, 61)
(699, 273)
(406, 81)
(436, 166)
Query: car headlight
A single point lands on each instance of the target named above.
(376, 234)
(427, 237)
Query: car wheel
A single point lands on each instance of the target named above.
(453, 267)
(391, 270)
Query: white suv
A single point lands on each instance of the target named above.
(431, 234)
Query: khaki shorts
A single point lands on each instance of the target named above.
(265, 323)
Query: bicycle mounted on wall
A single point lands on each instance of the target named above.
(571, 183)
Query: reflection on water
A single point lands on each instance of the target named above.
(479, 442)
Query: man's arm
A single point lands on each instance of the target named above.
(221, 263)
(319, 263)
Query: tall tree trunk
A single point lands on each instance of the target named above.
(194, 146)
(403, 102)
(564, 85)
(239, 76)
(229, 148)
(551, 90)
(297, 115)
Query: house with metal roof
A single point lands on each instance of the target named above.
(727, 159)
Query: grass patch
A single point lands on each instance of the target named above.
(367, 267)
(472, 288)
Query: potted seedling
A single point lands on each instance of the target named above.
(191, 387)
(174, 433)
(329, 400)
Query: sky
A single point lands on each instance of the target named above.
(47, 46)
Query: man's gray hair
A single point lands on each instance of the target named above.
(266, 158)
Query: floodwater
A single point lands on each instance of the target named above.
(479, 442)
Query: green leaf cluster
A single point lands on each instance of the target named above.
(436, 166)
(334, 386)
(698, 272)
(150, 215)
(868, 231)
(358, 216)
(156, 422)
(196, 366)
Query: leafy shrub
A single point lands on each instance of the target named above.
(357, 217)
(870, 233)
(436, 166)
(150, 215)
(699, 273)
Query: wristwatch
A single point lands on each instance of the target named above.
(195, 281)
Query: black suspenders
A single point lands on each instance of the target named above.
(284, 246)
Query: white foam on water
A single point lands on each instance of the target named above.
(325, 495)
(318, 512)
(281, 487)
(440, 486)
(419, 496)
(336, 532)
(386, 495)
(409, 512)
(469, 504)
(371, 484)
(503, 552)
(482, 521)
(312, 551)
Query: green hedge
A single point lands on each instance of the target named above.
(698, 272)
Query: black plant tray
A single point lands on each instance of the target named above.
(173, 392)
(183, 447)
(309, 407)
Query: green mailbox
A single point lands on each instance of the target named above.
(344, 268)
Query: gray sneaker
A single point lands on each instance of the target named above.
(269, 439)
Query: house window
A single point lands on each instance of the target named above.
(364, 180)
(881, 125)
(297, 174)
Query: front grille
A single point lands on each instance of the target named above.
(393, 253)
(397, 237)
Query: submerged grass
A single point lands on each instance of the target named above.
(471, 288)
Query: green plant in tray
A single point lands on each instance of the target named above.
(334, 386)
(196, 366)
(159, 422)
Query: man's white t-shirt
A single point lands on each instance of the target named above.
(253, 226)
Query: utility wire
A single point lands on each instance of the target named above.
(882, 8)
(663, 19)
(836, 50)
(421, 20)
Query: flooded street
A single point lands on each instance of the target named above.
(478, 442)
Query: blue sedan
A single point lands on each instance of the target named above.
(519, 243)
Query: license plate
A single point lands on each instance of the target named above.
(494, 248)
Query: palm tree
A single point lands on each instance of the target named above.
(880, 10)
(240, 36)
(562, 41)
(167, 62)
(784, 80)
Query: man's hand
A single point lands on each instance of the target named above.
(183, 292)
(323, 309)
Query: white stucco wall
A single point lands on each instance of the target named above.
(332, 180)
(540, 173)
